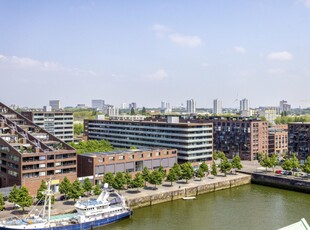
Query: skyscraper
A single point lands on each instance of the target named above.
(244, 105)
(165, 107)
(97, 104)
(55, 104)
(284, 107)
(217, 106)
(191, 106)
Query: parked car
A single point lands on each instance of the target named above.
(278, 171)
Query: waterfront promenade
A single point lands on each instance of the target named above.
(163, 193)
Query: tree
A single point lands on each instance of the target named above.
(65, 187)
(146, 175)
(78, 129)
(172, 176)
(295, 161)
(287, 164)
(162, 172)
(214, 169)
(204, 167)
(156, 177)
(187, 171)
(87, 185)
(178, 171)
(77, 190)
(221, 155)
(236, 163)
(108, 178)
(1, 202)
(128, 178)
(97, 189)
(24, 199)
(119, 181)
(274, 161)
(306, 167)
(13, 196)
(200, 173)
(132, 111)
(92, 146)
(264, 161)
(225, 166)
(133, 147)
(143, 111)
(137, 182)
(41, 190)
(215, 155)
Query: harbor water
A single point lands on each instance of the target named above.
(245, 207)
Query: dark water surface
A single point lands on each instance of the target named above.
(245, 207)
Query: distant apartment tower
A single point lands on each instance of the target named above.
(59, 124)
(55, 104)
(192, 140)
(270, 113)
(284, 107)
(299, 139)
(123, 106)
(244, 105)
(245, 137)
(165, 107)
(29, 154)
(217, 106)
(133, 105)
(191, 106)
(112, 111)
(97, 104)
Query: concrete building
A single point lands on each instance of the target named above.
(165, 107)
(97, 104)
(245, 137)
(55, 104)
(299, 139)
(278, 140)
(192, 140)
(270, 113)
(217, 106)
(284, 107)
(59, 124)
(191, 106)
(244, 105)
(112, 111)
(95, 165)
(128, 117)
(29, 154)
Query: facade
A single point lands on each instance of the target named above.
(217, 106)
(278, 140)
(192, 140)
(59, 124)
(270, 113)
(284, 107)
(299, 139)
(165, 107)
(191, 106)
(95, 165)
(245, 137)
(112, 111)
(128, 117)
(97, 104)
(55, 104)
(29, 154)
(244, 105)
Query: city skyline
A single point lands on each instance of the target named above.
(76, 51)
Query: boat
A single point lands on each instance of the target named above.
(108, 208)
(189, 198)
(300, 225)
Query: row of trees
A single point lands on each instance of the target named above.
(21, 197)
(225, 165)
(92, 146)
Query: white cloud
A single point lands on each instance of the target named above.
(158, 75)
(280, 56)
(305, 2)
(239, 49)
(165, 32)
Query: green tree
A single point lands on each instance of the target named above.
(204, 167)
(87, 185)
(132, 111)
(264, 161)
(1, 202)
(215, 155)
(24, 199)
(287, 164)
(306, 167)
(221, 155)
(119, 181)
(133, 147)
(200, 173)
(162, 172)
(172, 176)
(214, 169)
(13, 196)
(78, 129)
(236, 163)
(225, 166)
(77, 190)
(137, 182)
(156, 177)
(143, 111)
(128, 179)
(97, 190)
(295, 161)
(187, 171)
(108, 178)
(274, 161)
(41, 191)
(146, 175)
(92, 146)
(65, 187)
(178, 171)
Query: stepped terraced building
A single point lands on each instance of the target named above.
(29, 154)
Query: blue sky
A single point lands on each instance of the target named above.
(152, 51)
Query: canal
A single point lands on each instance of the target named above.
(245, 207)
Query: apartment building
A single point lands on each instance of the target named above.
(59, 124)
(192, 140)
(29, 154)
(55, 104)
(191, 106)
(299, 139)
(278, 140)
(217, 106)
(241, 136)
(95, 165)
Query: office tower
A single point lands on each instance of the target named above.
(165, 107)
(284, 107)
(97, 104)
(55, 104)
(217, 106)
(191, 106)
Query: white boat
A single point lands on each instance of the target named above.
(189, 198)
(108, 208)
(300, 225)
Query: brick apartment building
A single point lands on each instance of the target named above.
(299, 139)
(94, 165)
(278, 139)
(29, 154)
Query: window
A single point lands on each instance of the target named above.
(111, 158)
(121, 157)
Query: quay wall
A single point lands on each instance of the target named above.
(281, 182)
(191, 190)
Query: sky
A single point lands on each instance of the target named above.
(152, 51)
